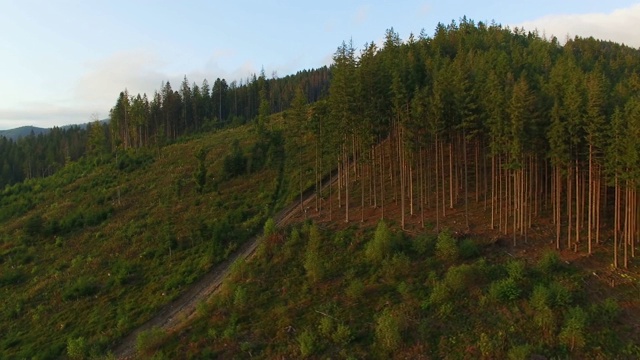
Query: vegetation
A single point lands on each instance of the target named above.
(442, 147)
(88, 254)
(488, 306)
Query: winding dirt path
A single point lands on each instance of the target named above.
(181, 310)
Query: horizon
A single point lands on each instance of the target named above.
(74, 60)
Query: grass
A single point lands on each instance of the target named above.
(95, 250)
(414, 303)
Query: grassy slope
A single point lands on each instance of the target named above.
(423, 298)
(95, 250)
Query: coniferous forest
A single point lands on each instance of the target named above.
(441, 140)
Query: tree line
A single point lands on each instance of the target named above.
(138, 121)
(40, 155)
(506, 118)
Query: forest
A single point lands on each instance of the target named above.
(139, 121)
(526, 126)
(477, 197)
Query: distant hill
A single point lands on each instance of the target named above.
(23, 131)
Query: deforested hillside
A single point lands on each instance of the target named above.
(89, 253)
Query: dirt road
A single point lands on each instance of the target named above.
(181, 310)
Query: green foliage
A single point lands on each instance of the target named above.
(12, 277)
(520, 352)
(342, 335)
(446, 247)
(381, 245)
(269, 227)
(82, 287)
(505, 290)
(34, 225)
(200, 175)
(130, 161)
(424, 244)
(314, 264)
(389, 330)
(235, 163)
(549, 262)
(516, 270)
(572, 333)
(149, 340)
(76, 348)
(468, 249)
(307, 343)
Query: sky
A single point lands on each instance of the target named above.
(65, 62)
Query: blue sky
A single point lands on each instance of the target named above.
(62, 62)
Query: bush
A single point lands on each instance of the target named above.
(469, 249)
(269, 227)
(34, 225)
(423, 244)
(149, 339)
(446, 247)
(572, 333)
(504, 290)
(84, 286)
(342, 336)
(381, 245)
(388, 330)
(76, 348)
(516, 270)
(307, 342)
(549, 262)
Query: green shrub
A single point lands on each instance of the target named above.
(469, 249)
(342, 336)
(424, 244)
(269, 227)
(519, 352)
(549, 262)
(389, 330)
(307, 342)
(608, 311)
(396, 268)
(504, 290)
(572, 333)
(381, 246)
(148, 340)
(76, 348)
(34, 225)
(82, 287)
(355, 289)
(560, 296)
(446, 247)
(516, 269)
(12, 277)
(458, 278)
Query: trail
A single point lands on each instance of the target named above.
(181, 310)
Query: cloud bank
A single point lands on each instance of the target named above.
(620, 25)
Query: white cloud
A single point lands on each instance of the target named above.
(620, 25)
(137, 71)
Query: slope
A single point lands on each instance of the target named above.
(94, 251)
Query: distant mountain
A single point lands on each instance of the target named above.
(23, 131)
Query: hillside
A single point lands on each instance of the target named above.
(23, 131)
(484, 206)
(96, 249)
